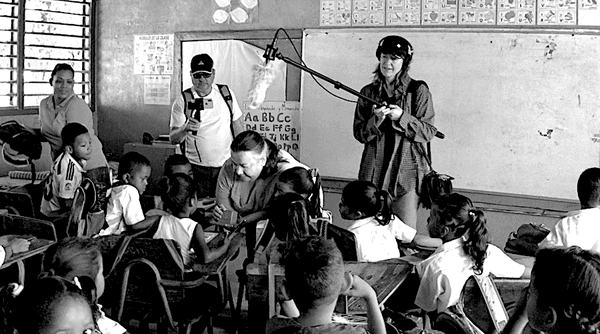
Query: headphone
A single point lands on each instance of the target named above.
(393, 44)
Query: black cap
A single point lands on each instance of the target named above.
(394, 45)
(202, 63)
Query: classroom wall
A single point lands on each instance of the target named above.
(122, 115)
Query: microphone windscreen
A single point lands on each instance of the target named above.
(262, 77)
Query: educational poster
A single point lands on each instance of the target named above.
(477, 12)
(278, 121)
(403, 12)
(516, 12)
(440, 12)
(336, 13)
(157, 89)
(557, 12)
(589, 12)
(153, 54)
(368, 12)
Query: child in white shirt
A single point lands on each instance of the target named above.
(124, 207)
(67, 171)
(375, 226)
(581, 227)
(466, 251)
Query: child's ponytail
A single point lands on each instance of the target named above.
(477, 239)
(384, 207)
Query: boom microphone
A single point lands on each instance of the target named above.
(262, 78)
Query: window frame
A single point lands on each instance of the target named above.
(20, 109)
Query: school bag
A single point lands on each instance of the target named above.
(525, 240)
(434, 184)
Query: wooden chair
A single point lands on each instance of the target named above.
(14, 224)
(480, 310)
(345, 240)
(156, 288)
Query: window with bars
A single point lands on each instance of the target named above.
(35, 35)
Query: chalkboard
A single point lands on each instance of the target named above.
(520, 109)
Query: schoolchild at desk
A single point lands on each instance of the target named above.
(179, 202)
(375, 226)
(466, 251)
(314, 278)
(66, 172)
(124, 207)
(178, 163)
(582, 227)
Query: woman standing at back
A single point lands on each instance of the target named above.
(392, 134)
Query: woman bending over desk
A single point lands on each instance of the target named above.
(247, 180)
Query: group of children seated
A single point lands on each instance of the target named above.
(563, 297)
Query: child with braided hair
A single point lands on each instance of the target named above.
(465, 251)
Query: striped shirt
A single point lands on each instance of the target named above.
(65, 176)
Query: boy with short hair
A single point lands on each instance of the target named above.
(124, 206)
(314, 273)
(581, 227)
(67, 170)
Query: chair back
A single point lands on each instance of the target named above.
(164, 254)
(17, 203)
(345, 240)
(480, 310)
(13, 224)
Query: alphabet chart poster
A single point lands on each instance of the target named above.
(336, 12)
(439, 12)
(278, 121)
(368, 13)
(516, 12)
(403, 12)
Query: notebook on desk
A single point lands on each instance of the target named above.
(228, 219)
(208, 236)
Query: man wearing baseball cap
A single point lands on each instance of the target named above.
(204, 120)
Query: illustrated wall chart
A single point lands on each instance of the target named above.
(360, 13)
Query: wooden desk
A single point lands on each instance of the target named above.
(384, 276)
(36, 247)
(217, 269)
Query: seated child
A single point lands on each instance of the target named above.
(314, 278)
(124, 207)
(466, 251)
(76, 257)
(375, 226)
(14, 246)
(179, 198)
(305, 182)
(563, 296)
(288, 219)
(582, 227)
(66, 173)
(48, 305)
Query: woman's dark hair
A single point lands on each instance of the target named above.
(301, 181)
(74, 257)
(61, 67)
(177, 190)
(568, 280)
(364, 196)
(253, 141)
(289, 215)
(457, 212)
(31, 310)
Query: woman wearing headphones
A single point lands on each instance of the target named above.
(391, 133)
